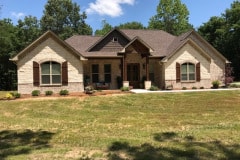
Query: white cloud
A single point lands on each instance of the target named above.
(17, 15)
(110, 8)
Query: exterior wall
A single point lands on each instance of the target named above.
(47, 51)
(115, 70)
(190, 54)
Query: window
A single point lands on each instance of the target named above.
(50, 73)
(188, 72)
(107, 73)
(115, 39)
(95, 73)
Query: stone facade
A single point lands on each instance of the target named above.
(49, 50)
(212, 68)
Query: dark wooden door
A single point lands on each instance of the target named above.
(133, 74)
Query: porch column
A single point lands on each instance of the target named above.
(147, 68)
(124, 68)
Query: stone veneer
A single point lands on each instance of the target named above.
(49, 50)
(212, 68)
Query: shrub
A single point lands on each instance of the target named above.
(35, 93)
(184, 88)
(64, 92)
(48, 93)
(216, 83)
(234, 85)
(202, 87)
(9, 96)
(194, 87)
(125, 89)
(153, 88)
(17, 95)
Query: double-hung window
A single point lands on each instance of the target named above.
(107, 73)
(95, 73)
(188, 72)
(50, 73)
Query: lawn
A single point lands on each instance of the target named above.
(204, 125)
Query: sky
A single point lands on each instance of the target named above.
(116, 12)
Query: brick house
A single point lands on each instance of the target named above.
(137, 58)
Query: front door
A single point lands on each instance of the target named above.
(133, 74)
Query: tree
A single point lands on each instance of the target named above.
(224, 33)
(64, 18)
(131, 25)
(27, 31)
(8, 43)
(172, 17)
(106, 27)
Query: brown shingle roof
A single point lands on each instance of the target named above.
(162, 43)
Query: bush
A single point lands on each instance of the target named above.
(216, 83)
(64, 92)
(234, 85)
(9, 96)
(153, 88)
(48, 93)
(184, 88)
(125, 89)
(194, 87)
(202, 87)
(17, 95)
(35, 93)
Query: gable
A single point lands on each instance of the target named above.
(112, 42)
(46, 36)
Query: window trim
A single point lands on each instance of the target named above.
(51, 75)
(188, 73)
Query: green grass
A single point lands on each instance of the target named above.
(204, 125)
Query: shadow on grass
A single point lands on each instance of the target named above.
(171, 146)
(13, 142)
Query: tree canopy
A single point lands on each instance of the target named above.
(172, 17)
(64, 18)
(224, 34)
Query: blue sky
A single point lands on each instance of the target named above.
(116, 11)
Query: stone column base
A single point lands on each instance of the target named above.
(125, 83)
(147, 84)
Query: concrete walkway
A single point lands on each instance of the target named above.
(176, 91)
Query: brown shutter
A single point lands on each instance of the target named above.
(65, 73)
(36, 76)
(178, 72)
(198, 72)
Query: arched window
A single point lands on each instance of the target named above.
(50, 73)
(188, 72)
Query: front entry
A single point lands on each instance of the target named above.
(133, 74)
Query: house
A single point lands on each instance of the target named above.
(137, 58)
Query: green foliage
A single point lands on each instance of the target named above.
(64, 18)
(48, 93)
(131, 25)
(172, 17)
(216, 83)
(194, 87)
(64, 92)
(184, 88)
(202, 87)
(35, 93)
(234, 85)
(17, 95)
(224, 33)
(153, 88)
(106, 27)
(124, 89)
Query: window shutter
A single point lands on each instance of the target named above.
(65, 73)
(198, 72)
(178, 72)
(36, 76)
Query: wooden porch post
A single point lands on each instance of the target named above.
(124, 68)
(147, 68)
